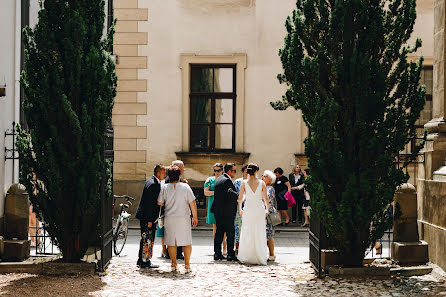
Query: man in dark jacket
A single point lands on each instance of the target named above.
(224, 208)
(148, 209)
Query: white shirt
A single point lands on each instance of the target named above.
(296, 178)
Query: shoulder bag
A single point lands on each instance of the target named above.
(274, 218)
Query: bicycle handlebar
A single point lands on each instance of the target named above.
(123, 197)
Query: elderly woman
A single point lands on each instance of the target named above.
(269, 178)
(178, 201)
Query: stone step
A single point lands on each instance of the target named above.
(16, 250)
(411, 271)
(440, 174)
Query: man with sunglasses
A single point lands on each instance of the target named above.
(224, 209)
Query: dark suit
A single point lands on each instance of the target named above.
(224, 208)
(148, 209)
(298, 196)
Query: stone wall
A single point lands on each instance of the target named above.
(127, 106)
(432, 219)
(431, 190)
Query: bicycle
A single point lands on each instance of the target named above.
(122, 224)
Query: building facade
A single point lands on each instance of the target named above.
(195, 81)
(10, 59)
(431, 184)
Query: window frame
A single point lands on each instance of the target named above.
(213, 96)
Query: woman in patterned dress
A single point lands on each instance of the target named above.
(209, 192)
(269, 178)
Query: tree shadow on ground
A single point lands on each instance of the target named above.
(392, 286)
(22, 284)
(162, 273)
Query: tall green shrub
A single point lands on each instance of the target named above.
(69, 85)
(345, 63)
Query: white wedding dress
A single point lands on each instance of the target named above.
(252, 246)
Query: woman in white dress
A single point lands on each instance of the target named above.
(253, 248)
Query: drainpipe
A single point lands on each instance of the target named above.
(17, 57)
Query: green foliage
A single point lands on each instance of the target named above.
(69, 83)
(345, 63)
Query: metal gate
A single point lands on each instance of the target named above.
(318, 241)
(106, 230)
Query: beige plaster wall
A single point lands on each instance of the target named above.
(216, 28)
(424, 28)
(154, 36)
(9, 104)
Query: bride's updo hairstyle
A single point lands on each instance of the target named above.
(252, 169)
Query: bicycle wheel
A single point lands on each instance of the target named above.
(120, 236)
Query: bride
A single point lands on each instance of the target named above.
(253, 248)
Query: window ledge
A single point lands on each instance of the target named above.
(212, 157)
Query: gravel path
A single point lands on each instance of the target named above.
(222, 279)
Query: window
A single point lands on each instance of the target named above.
(212, 100)
(427, 78)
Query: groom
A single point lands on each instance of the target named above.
(224, 208)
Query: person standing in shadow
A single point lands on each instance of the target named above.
(296, 179)
(180, 165)
(148, 209)
(224, 208)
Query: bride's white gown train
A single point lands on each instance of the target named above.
(252, 246)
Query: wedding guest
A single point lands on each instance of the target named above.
(306, 204)
(281, 186)
(209, 192)
(160, 232)
(238, 218)
(148, 210)
(269, 178)
(296, 178)
(180, 165)
(224, 209)
(178, 200)
(34, 230)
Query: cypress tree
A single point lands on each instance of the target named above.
(345, 63)
(69, 84)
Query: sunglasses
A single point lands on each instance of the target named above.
(218, 170)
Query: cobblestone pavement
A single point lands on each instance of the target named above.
(290, 276)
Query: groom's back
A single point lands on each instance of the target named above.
(220, 195)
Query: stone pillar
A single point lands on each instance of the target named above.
(405, 226)
(431, 186)
(406, 248)
(17, 213)
(16, 243)
(435, 149)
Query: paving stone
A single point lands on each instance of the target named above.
(289, 276)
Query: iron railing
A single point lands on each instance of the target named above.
(41, 240)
